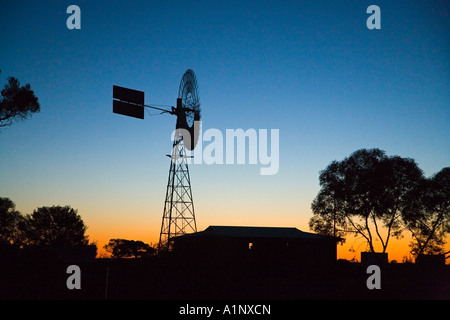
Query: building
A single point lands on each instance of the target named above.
(255, 249)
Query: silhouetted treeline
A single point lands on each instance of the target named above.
(122, 248)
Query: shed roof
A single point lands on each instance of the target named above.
(253, 232)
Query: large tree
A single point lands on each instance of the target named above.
(55, 226)
(365, 194)
(428, 214)
(17, 102)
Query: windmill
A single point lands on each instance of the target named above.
(178, 215)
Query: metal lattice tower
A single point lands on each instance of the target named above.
(178, 217)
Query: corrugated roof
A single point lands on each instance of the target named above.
(253, 232)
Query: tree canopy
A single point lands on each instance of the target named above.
(428, 214)
(55, 226)
(10, 219)
(46, 226)
(122, 248)
(17, 102)
(365, 194)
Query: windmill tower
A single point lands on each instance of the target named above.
(178, 215)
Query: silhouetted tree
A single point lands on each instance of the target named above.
(428, 214)
(10, 219)
(17, 102)
(122, 248)
(55, 226)
(362, 193)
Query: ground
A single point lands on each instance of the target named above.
(165, 278)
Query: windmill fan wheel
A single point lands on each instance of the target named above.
(188, 109)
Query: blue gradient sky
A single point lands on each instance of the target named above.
(308, 68)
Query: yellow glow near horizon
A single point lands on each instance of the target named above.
(137, 220)
(145, 226)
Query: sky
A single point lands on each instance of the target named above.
(311, 69)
